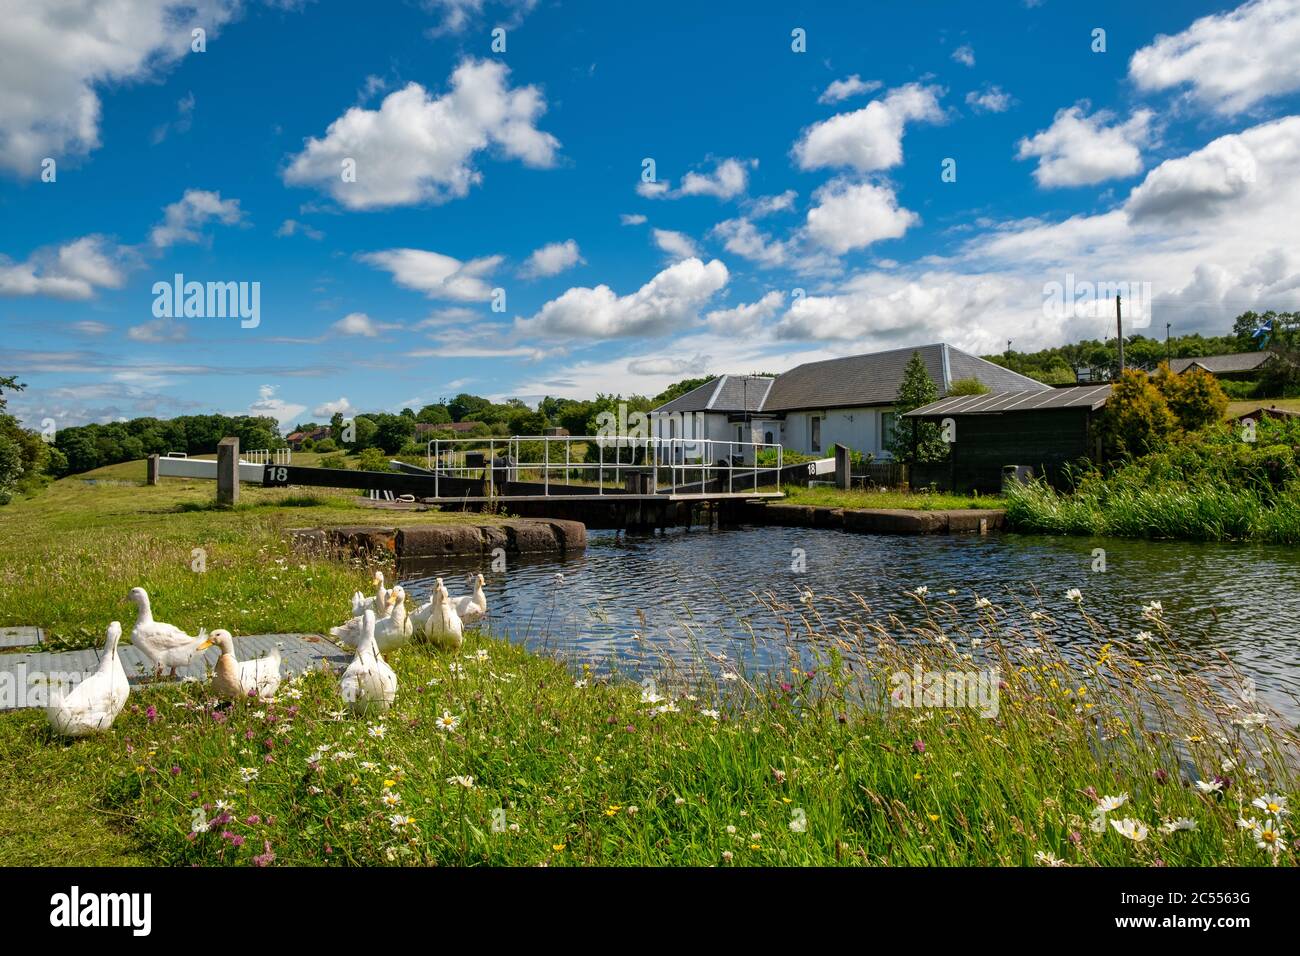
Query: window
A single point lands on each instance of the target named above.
(740, 433)
(672, 427)
(768, 439)
(815, 433)
(888, 421)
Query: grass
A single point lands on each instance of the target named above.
(552, 762)
(1241, 407)
(873, 498)
(69, 555)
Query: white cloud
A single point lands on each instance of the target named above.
(458, 15)
(669, 301)
(357, 323)
(329, 409)
(676, 244)
(158, 331)
(1230, 61)
(841, 90)
(418, 147)
(1079, 150)
(991, 99)
(53, 56)
(729, 179)
(766, 205)
(871, 138)
(183, 219)
(964, 54)
(742, 237)
(436, 275)
(853, 215)
(551, 259)
(74, 270)
(746, 318)
(91, 328)
(291, 227)
(632, 219)
(691, 366)
(267, 404)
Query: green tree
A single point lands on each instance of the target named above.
(434, 415)
(913, 440)
(1137, 420)
(1195, 396)
(967, 386)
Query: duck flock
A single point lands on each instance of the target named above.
(378, 624)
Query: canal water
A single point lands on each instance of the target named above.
(629, 600)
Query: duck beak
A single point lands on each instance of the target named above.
(205, 645)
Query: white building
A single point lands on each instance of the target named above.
(847, 401)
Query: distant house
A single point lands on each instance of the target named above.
(1237, 365)
(848, 401)
(1044, 430)
(296, 439)
(1271, 412)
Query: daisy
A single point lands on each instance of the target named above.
(377, 730)
(668, 708)
(580, 683)
(1268, 836)
(459, 781)
(1209, 786)
(730, 675)
(710, 713)
(1043, 858)
(1153, 610)
(1074, 594)
(479, 655)
(1182, 823)
(1107, 804)
(391, 799)
(1142, 637)
(1134, 830)
(447, 722)
(1271, 803)
(248, 774)
(922, 591)
(648, 696)
(983, 602)
(397, 821)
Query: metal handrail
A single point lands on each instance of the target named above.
(675, 456)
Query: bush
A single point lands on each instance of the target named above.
(969, 386)
(1194, 397)
(11, 469)
(307, 444)
(325, 445)
(1137, 420)
(333, 461)
(372, 459)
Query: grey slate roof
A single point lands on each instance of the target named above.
(1081, 396)
(874, 379)
(726, 393)
(1218, 364)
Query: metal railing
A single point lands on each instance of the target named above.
(268, 456)
(636, 465)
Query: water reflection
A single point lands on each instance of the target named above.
(629, 598)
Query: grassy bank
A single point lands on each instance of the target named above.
(498, 755)
(884, 498)
(69, 555)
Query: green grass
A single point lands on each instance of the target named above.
(801, 767)
(871, 498)
(1243, 406)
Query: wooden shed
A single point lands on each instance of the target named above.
(1045, 430)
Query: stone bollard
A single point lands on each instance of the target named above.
(843, 468)
(151, 470)
(228, 472)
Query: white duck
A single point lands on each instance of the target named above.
(368, 685)
(379, 603)
(94, 704)
(391, 631)
(472, 607)
(442, 625)
(164, 644)
(235, 679)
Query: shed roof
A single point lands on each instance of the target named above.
(1218, 364)
(995, 403)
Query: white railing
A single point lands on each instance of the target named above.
(268, 456)
(661, 466)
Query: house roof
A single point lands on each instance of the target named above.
(1219, 364)
(1271, 412)
(726, 393)
(874, 379)
(993, 403)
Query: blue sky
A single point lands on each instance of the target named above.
(799, 211)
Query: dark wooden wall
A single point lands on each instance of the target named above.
(1046, 439)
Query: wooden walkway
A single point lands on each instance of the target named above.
(299, 653)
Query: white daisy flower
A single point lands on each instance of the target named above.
(1131, 829)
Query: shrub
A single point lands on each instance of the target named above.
(333, 461)
(1137, 420)
(372, 459)
(1194, 396)
(324, 445)
(969, 386)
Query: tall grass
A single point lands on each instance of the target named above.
(557, 763)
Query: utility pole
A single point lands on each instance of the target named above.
(1169, 355)
(1119, 326)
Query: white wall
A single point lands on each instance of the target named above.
(857, 428)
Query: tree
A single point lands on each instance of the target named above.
(1137, 420)
(434, 415)
(1195, 397)
(466, 407)
(967, 386)
(680, 388)
(913, 440)
(11, 469)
